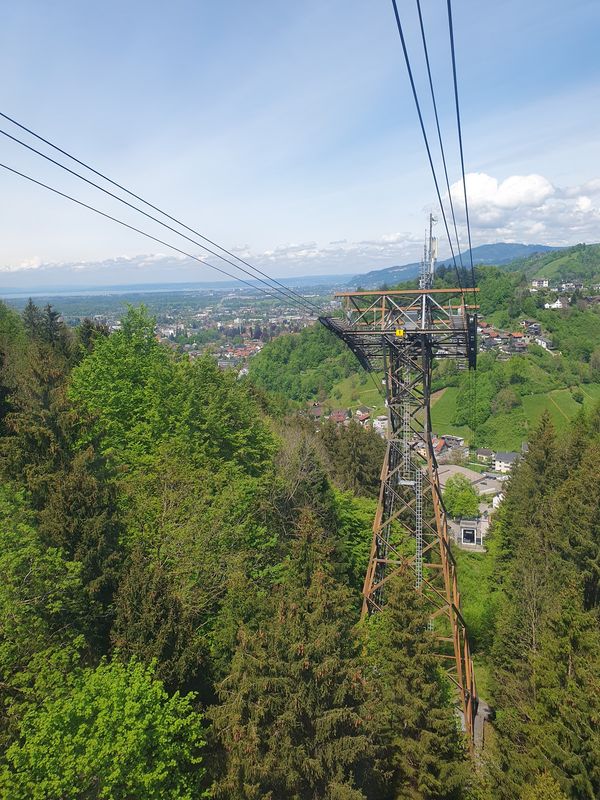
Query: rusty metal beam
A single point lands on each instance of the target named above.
(400, 292)
(410, 529)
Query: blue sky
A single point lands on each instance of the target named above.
(287, 131)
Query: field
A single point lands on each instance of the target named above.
(357, 390)
(559, 403)
(443, 408)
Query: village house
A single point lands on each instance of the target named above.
(571, 286)
(545, 343)
(540, 283)
(505, 461)
(454, 441)
(439, 446)
(485, 455)
(559, 303)
(340, 416)
(316, 411)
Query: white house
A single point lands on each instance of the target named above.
(540, 283)
(560, 302)
(504, 461)
(380, 424)
(545, 343)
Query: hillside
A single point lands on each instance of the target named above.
(579, 262)
(512, 392)
(497, 254)
(182, 573)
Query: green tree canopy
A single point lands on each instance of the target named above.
(143, 397)
(414, 718)
(291, 716)
(460, 498)
(112, 733)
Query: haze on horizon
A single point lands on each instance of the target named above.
(288, 133)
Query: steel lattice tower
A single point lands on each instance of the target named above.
(399, 333)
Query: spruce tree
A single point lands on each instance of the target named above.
(32, 319)
(413, 714)
(52, 327)
(69, 485)
(152, 624)
(575, 518)
(291, 721)
(523, 513)
(545, 658)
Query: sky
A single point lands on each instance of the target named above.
(287, 131)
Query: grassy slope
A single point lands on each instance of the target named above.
(559, 404)
(443, 408)
(356, 390)
(575, 262)
(351, 392)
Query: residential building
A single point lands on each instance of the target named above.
(540, 283)
(571, 286)
(454, 441)
(543, 342)
(439, 446)
(505, 461)
(485, 455)
(316, 411)
(340, 416)
(559, 303)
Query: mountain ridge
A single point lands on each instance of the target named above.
(498, 253)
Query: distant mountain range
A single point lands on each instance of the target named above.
(498, 253)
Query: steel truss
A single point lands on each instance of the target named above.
(398, 334)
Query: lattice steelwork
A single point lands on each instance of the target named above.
(398, 334)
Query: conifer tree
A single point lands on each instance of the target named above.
(412, 704)
(546, 654)
(152, 624)
(69, 484)
(52, 327)
(290, 721)
(523, 513)
(576, 521)
(32, 319)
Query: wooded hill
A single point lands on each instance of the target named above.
(180, 596)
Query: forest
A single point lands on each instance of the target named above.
(182, 560)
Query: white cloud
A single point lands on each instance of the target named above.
(528, 208)
(519, 208)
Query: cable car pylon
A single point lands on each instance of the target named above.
(399, 334)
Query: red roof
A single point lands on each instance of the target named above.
(338, 416)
